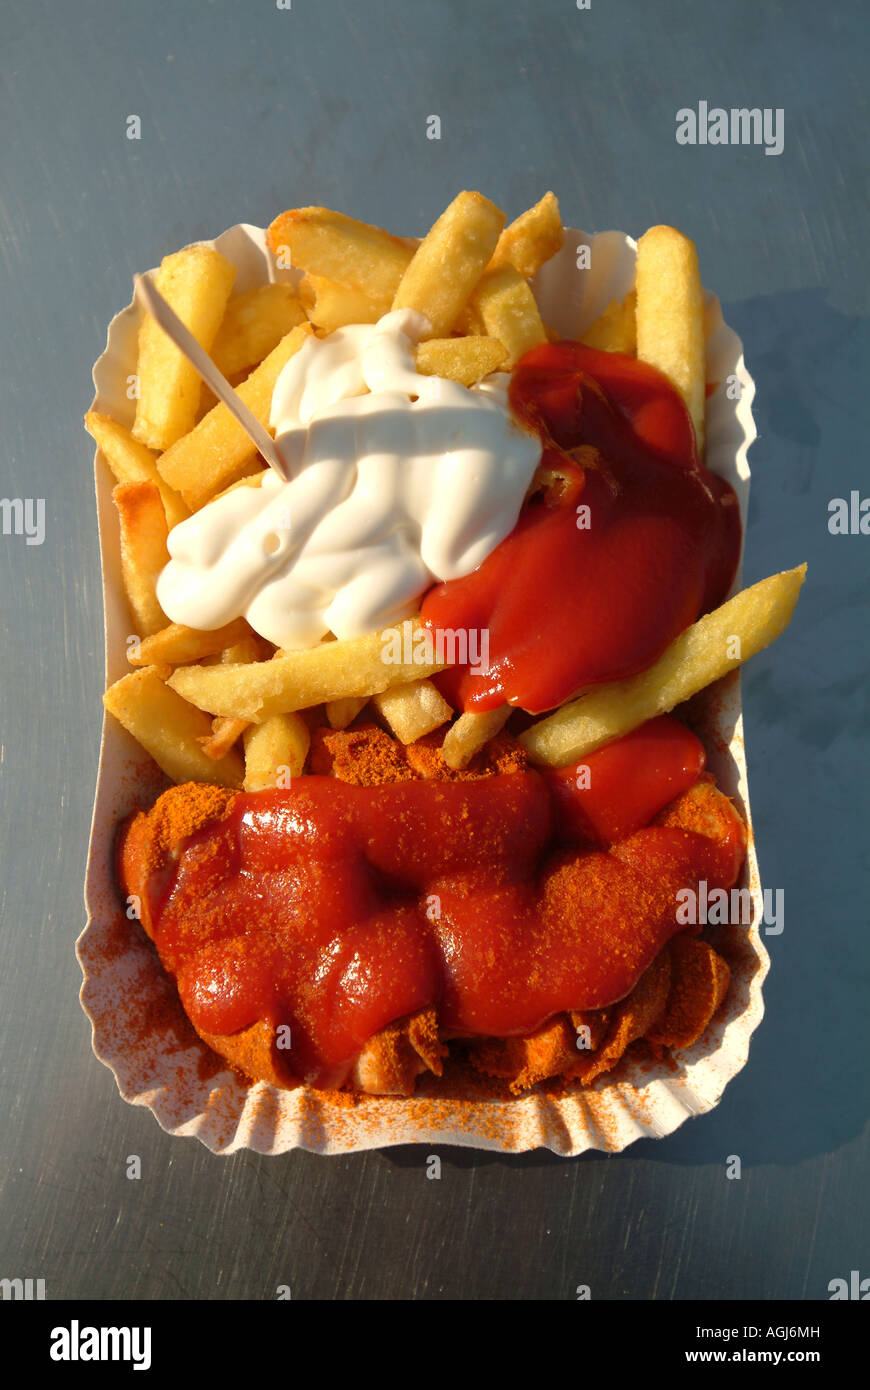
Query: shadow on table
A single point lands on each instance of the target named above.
(803, 1090)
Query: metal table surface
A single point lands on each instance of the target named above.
(246, 109)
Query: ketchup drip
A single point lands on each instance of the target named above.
(599, 577)
(336, 909)
(616, 790)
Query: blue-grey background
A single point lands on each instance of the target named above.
(247, 109)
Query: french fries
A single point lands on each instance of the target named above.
(340, 713)
(225, 734)
(196, 283)
(509, 312)
(254, 324)
(178, 645)
(470, 324)
(361, 666)
(132, 462)
(449, 261)
(466, 360)
(469, 734)
(670, 316)
(352, 253)
(246, 648)
(469, 277)
(169, 729)
(709, 649)
(412, 710)
(275, 751)
(217, 451)
(615, 330)
(249, 480)
(531, 239)
(330, 305)
(143, 551)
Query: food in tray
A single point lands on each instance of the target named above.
(431, 807)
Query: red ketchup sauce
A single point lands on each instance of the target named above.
(618, 789)
(571, 598)
(336, 909)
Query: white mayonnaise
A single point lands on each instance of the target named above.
(397, 480)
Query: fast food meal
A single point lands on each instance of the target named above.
(432, 803)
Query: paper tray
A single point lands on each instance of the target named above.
(139, 1029)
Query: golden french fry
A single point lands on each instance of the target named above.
(143, 551)
(670, 316)
(469, 323)
(509, 312)
(340, 713)
(207, 398)
(254, 324)
(615, 330)
(330, 305)
(250, 647)
(340, 248)
(531, 239)
(169, 729)
(710, 648)
(225, 733)
(412, 710)
(361, 666)
(470, 732)
(132, 462)
(275, 751)
(249, 480)
(196, 282)
(450, 260)
(217, 451)
(466, 360)
(178, 645)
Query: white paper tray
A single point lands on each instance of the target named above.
(138, 1028)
